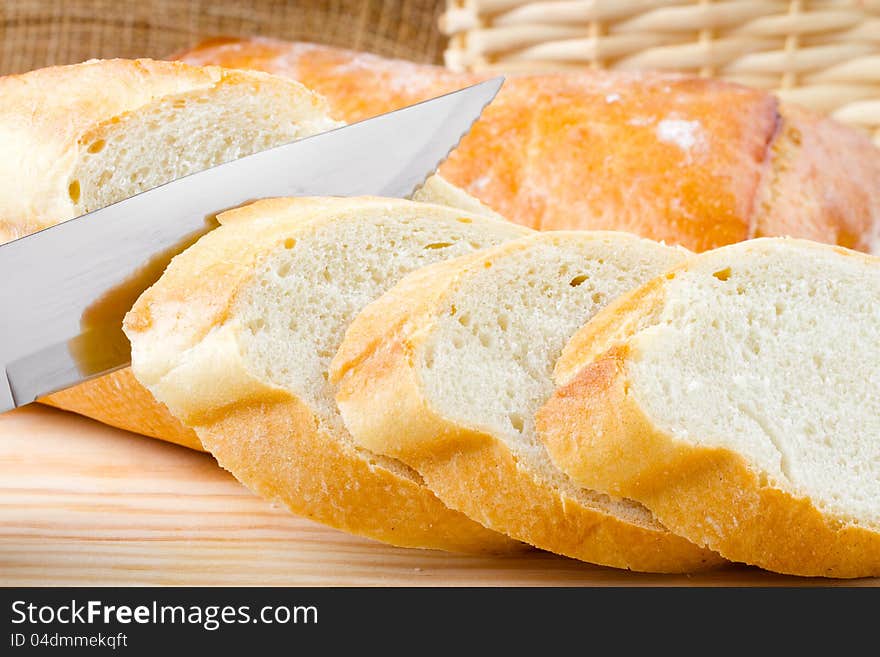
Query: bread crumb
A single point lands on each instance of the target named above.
(641, 120)
(683, 134)
(480, 182)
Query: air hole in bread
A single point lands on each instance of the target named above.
(516, 421)
(722, 274)
(577, 280)
(73, 191)
(97, 146)
(438, 245)
(289, 243)
(464, 220)
(597, 298)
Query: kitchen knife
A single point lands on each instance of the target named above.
(65, 289)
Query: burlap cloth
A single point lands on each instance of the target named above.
(35, 33)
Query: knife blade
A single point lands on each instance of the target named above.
(65, 289)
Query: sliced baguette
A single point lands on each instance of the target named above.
(237, 335)
(446, 370)
(738, 398)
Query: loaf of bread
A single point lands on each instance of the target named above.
(446, 370)
(236, 339)
(77, 138)
(738, 398)
(695, 162)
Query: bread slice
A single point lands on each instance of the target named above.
(77, 138)
(738, 398)
(236, 339)
(447, 369)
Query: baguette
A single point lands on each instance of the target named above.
(446, 370)
(236, 337)
(690, 161)
(738, 398)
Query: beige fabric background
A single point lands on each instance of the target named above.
(35, 33)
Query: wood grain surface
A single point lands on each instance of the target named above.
(84, 504)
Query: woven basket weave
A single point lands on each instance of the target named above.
(35, 33)
(822, 54)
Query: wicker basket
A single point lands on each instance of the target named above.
(35, 33)
(823, 54)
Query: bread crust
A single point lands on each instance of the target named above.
(276, 448)
(382, 400)
(185, 349)
(597, 433)
(586, 150)
(119, 400)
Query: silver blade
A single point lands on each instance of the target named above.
(64, 290)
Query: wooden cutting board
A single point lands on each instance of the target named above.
(85, 504)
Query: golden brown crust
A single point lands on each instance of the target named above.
(382, 400)
(119, 400)
(596, 432)
(584, 150)
(824, 184)
(185, 348)
(484, 476)
(276, 449)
